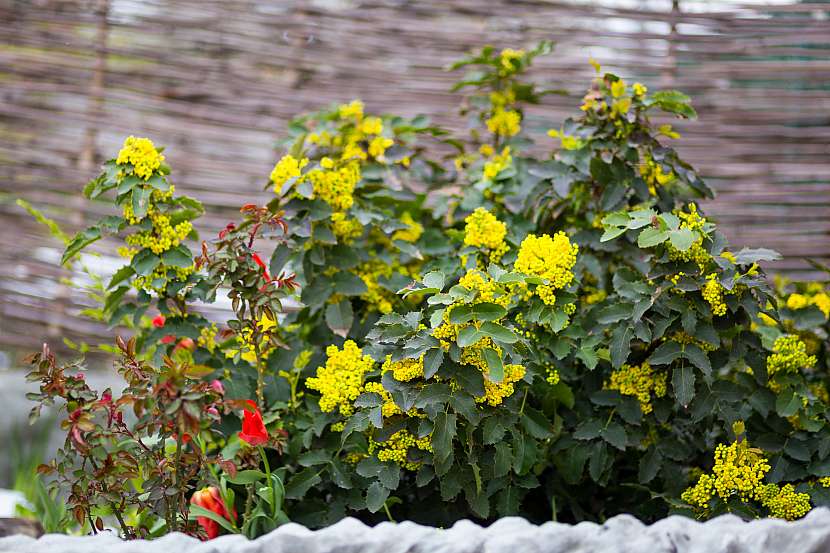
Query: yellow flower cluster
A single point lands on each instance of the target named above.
(819, 299)
(207, 337)
(682, 338)
(504, 122)
(739, 470)
(784, 502)
(389, 408)
(160, 277)
(341, 380)
(405, 369)
(495, 392)
(483, 230)
(497, 163)
(163, 236)
(696, 253)
(142, 154)
(789, 354)
(713, 293)
(335, 185)
(352, 110)
(507, 58)
(378, 146)
(377, 297)
(371, 125)
(412, 232)
(639, 381)
(548, 258)
(287, 168)
(344, 228)
(397, 446)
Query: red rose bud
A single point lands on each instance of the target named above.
(169, 339)
(158, 322)
(209, 498)
(253, 429)
(186, 343)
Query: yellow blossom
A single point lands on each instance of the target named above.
(413, 231)
(371, 125)
(504, 122)
(142, 154)
(640, 381)
(340, 381)
(378, 146)
(352, 110)
(286, 168)
(484, 230)
(497, 164)
(548, 258)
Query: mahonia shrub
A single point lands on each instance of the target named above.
(495, 332)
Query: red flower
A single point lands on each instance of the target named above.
(253, 429)
(158, 322)
(169, 339)
(209, 498)
(262, 266)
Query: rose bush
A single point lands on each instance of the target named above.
(563, 336)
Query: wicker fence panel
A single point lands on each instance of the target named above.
(216, 81)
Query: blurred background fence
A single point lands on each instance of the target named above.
(216, 80)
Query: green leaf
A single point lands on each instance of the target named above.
(432, 362)
(588, 430)
(682, 239)
(349, 284)
(502, 460)
(787, 403)
(665, 353)
(615, 435)
(492, 430)
(443, 434)
(649, 465)
(145, 262)
(487, 311)
(498, 333)
(698, 357)
(120, 275)
(468, 336)
(279, 258)
(80, 241)
(244, 477)
(494, 364)
(434, 279)
(196, 511)
(683, 382)
(141, 201)
(461, 314)
(314, 457)
(301, 482)
(339, 317)
(376, 496)
(611, 233)
(650, 237)
(621, 345)
(614, 313)
(179, 256)
(536, 423)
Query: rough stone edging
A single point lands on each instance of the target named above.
(623, 533)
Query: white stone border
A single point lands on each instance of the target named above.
(624, 534)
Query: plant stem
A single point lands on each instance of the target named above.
(270, 482)
(388, 514)
(177, 466)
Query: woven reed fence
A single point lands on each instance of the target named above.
(216, 80)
